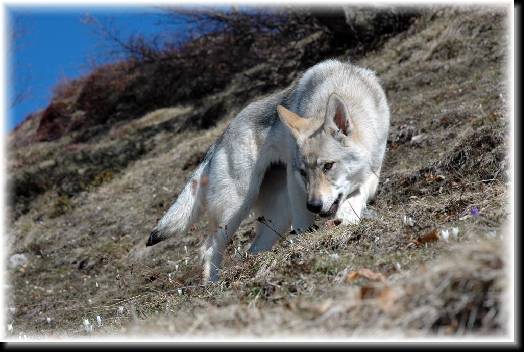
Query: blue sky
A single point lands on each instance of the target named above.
(55, 43)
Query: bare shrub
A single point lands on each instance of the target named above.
(168, 70)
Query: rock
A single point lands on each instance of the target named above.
(368, 213)
(18, 260)
(87, 264)
(418, 139)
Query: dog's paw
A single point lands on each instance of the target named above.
(350, 220)
(348, 214)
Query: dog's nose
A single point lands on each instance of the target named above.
(314, 206)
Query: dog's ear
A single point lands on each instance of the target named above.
(337, 119)
(298, 126)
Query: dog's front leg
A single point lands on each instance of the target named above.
(350, 210)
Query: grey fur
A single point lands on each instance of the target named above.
(242, 173)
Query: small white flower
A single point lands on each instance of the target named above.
(87, 325)
(96, 283)
(179, 291)
(99, 320)
(444, 234)
(407, 220)
(48, 320)
(455, 232)
(120, 310)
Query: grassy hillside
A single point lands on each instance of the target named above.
(84, 203)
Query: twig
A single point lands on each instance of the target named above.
(262, 220)
(359, 219)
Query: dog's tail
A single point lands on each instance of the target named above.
(186, 209)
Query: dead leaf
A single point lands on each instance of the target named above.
(352, 276)
(387, 299)
(366, 274)
(371, 275)
(367, 292)
(431, 236)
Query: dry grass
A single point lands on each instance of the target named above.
(445, 82)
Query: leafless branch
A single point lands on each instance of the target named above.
(22, 90)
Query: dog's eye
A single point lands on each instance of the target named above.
(327, 166)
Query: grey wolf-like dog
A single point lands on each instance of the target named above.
(313, 148)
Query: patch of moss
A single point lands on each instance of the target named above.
(101, 178)
(61, 206)
(326, 266)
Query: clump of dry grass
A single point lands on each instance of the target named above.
(460, 294)
(301, 286)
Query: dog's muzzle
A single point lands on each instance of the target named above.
(333, 208)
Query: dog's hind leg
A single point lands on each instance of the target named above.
(215, 245)
(271, 209)
(229, 200)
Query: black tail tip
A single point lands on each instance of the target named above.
(154, 238)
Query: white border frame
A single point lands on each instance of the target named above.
(512, 72)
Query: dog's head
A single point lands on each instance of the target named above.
(330, 160)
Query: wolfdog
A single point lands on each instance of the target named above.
(313, 148)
